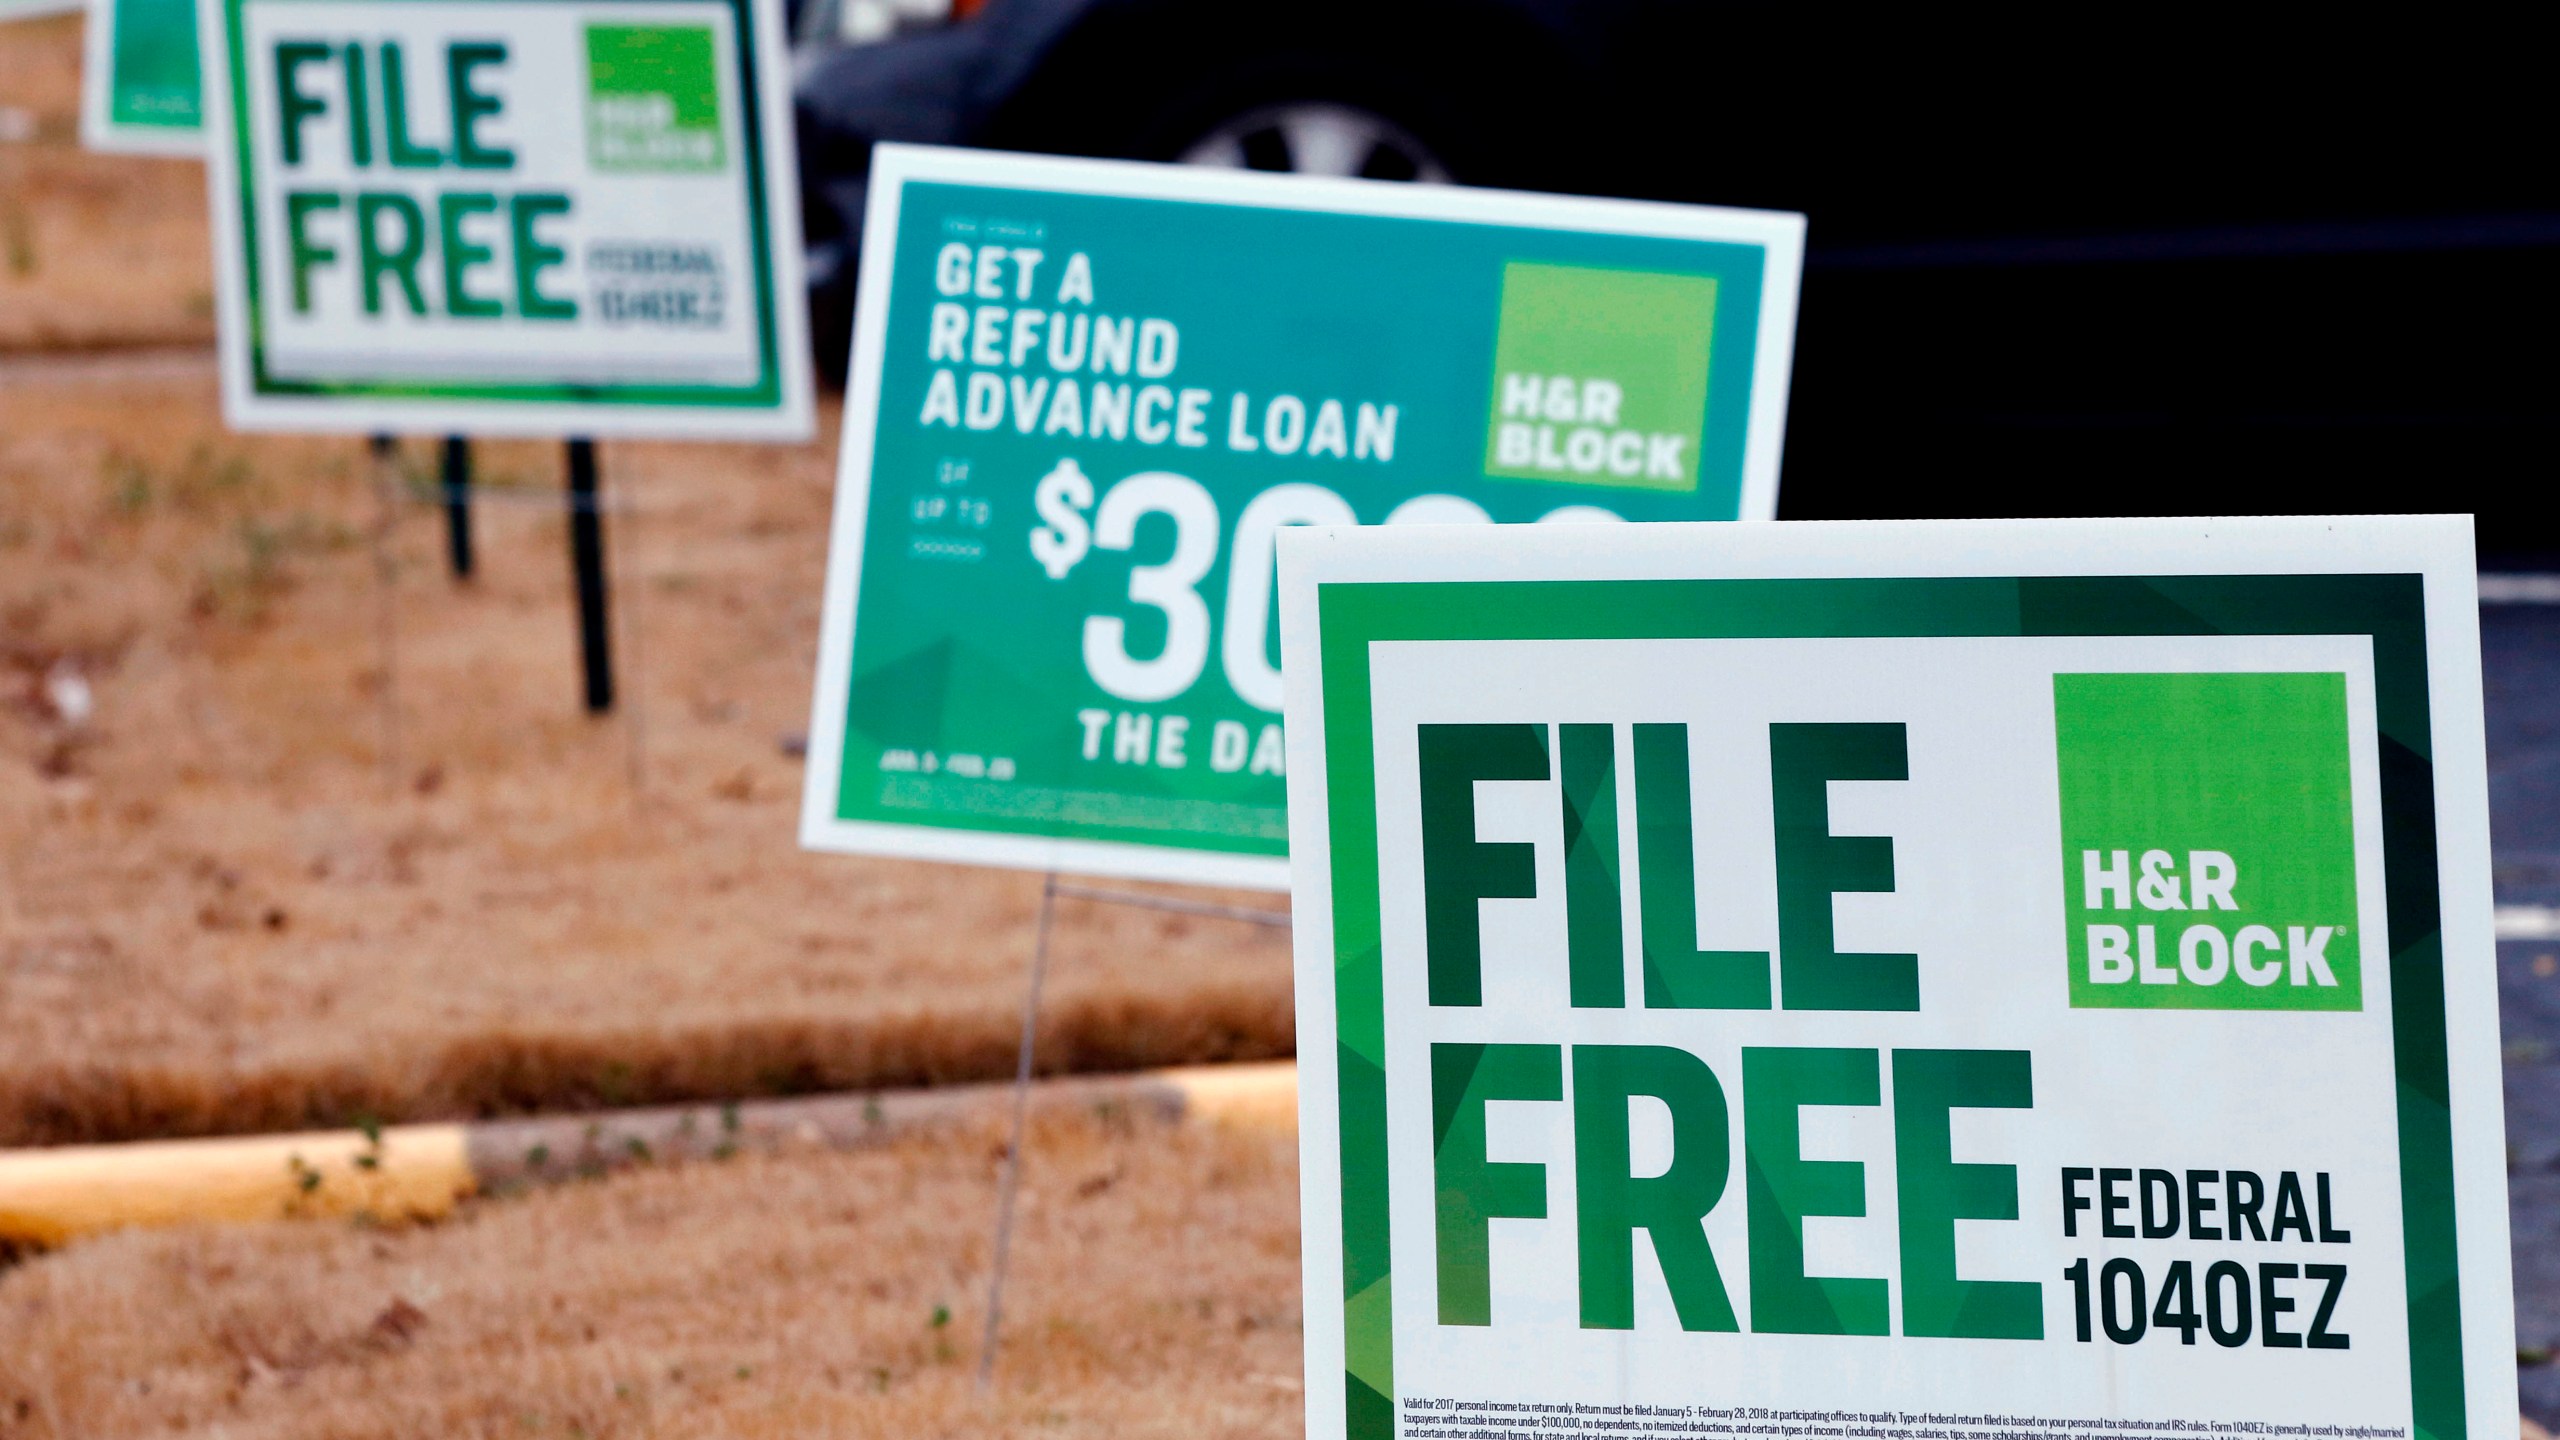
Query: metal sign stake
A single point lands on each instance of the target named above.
(1051, 887)
(1012, 1181)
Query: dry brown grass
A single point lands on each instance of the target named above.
(1154, 1293)
(214, 917)
(95, 250)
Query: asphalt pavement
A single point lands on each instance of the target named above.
(2520, 666)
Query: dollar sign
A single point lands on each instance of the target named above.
(1062, 499)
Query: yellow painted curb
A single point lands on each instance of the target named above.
(410, 1172)
(1256, 1094)
(420, 1172)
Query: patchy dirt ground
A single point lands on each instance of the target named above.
(95, 250)
(225, 906)
(1154, 1292)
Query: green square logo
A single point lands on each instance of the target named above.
(1600, 376)
(156, 71)
(653, 99)
(2208, 841)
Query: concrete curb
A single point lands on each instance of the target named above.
(417, 1172)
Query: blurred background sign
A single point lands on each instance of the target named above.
(141, 88)
(537, 217)
(1086, 396)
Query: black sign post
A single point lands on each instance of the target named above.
(457, 504)
(586, 560)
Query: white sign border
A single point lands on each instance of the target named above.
(793, 419)
(1779, 233)
(2438, 547)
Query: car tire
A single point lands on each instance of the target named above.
(1318, 137)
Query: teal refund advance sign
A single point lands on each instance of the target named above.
(1085, 396)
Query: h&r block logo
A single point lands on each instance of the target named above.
(2208, 841)
(1600, 376)
(653, 98)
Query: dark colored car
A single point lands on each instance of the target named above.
(2133, 261)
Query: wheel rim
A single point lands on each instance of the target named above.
(1319, 139)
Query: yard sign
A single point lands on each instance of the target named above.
(1086, 395)
(534, 217)
(141, 89)
(1985, 981)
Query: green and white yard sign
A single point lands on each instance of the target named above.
(1086, 395)
(1986, 981)
(534, 217)
(141, 89)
